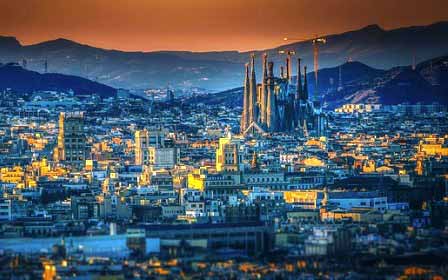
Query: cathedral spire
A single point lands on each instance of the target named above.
(263, 97)
(270, 100)
(270, 69)
(253, 93)
(245, 114)
(299, 80)
(305, 85)
(265, 66)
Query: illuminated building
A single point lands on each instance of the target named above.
(229, 155)
(433, 146)
(71, 148)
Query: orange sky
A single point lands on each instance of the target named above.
(203, 25)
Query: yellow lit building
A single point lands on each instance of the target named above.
(308, 199)
(14, 175)
(358, 215)
(434, 149)
(228, 154)
(197, 179)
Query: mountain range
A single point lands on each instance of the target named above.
(18, 80)
(355, 82)
(372, 45)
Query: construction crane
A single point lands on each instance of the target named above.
(315, 41)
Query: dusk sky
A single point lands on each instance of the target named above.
(203, 25)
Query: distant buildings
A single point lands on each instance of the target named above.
(327, 241)
(358, 108)
(409, 109)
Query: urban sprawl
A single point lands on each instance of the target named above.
(136, 187)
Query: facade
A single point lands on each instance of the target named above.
(328, 241)
(163, 157)
(252, 237)
(151, 148)
(277, 105)
(85, 207)
(5, 209)
(71, 148)
(215, 185)
(314, 199)
(229, 156)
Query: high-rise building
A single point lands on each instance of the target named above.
(71, 148)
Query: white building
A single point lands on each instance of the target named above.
(160, 158)
(349, 200)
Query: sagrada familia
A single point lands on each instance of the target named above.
(279, 105)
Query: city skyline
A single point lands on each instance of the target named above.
(157, 25)
(320, 159)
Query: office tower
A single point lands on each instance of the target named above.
(71, 148)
